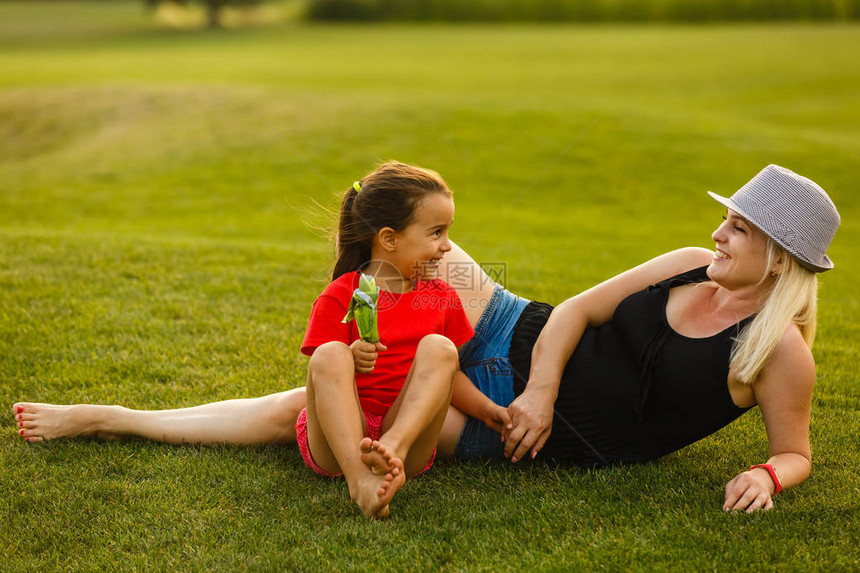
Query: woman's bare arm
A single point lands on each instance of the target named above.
(783, 391)
(532, 411)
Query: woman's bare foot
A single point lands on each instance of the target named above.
(376, 456)
(40, 422)
(375, 492)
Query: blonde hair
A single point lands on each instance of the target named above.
(794, 298)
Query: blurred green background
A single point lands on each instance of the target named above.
(164, 196)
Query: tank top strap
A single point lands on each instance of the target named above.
(693, 276)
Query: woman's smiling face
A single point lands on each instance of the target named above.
(740, 258)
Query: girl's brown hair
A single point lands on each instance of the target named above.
(389, 197)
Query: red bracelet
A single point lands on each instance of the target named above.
(772, 473)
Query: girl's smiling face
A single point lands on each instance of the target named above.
(740, 258)
(420, 247)
(415, 252)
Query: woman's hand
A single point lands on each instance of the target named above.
(365, 354)
(531, 415)
(749, 491)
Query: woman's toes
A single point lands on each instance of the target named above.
(28, 432)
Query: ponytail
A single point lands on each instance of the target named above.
(351, 245)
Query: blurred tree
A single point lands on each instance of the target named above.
(213, 7)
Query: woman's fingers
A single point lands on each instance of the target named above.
(541, 441)
(512, 440)
(523, 447)
(745, 500)
(518, 441)
(747, 492)
(759, 502)
(733, 493)
(529, 441)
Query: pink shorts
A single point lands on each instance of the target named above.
(372, 430)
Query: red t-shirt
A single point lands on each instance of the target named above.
(432, 307)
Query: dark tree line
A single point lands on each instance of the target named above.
(213, 7)
(583, 10)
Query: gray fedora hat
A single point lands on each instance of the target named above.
(790, 209)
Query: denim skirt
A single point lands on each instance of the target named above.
(484, 359)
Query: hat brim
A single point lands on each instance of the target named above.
(826, 263)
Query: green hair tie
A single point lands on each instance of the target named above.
(356, 186)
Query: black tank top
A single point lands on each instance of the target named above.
(634, 389)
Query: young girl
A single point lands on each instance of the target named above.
(374, 411)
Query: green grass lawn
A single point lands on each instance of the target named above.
(162, 195)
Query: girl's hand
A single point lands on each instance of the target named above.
(364, 355)
(749, 491)
(498, 419)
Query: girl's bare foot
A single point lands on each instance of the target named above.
(40, 422)
(375, 492)
(376, 456)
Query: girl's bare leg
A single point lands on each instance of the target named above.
(412, 425)
(455, 420)
(251, 421)
(470, 281)
(336, 426)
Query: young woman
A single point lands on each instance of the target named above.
(634, 368)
